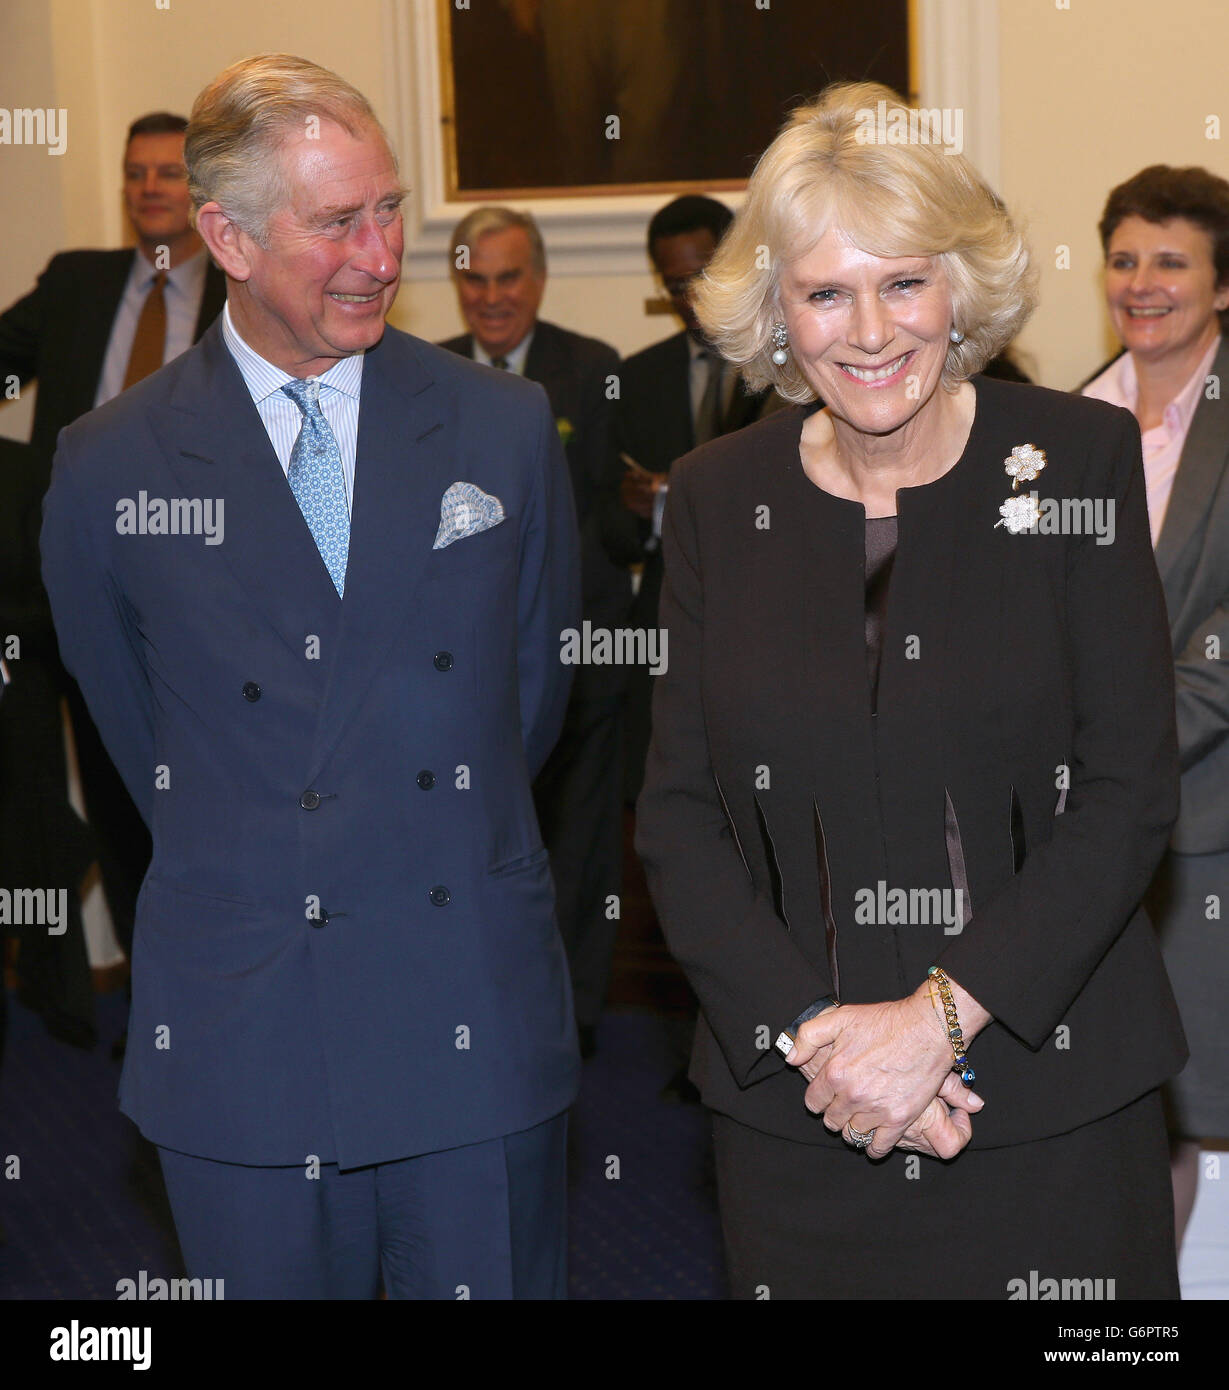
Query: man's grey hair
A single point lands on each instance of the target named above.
(232, 147)
(482, 220)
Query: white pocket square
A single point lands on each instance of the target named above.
(464, 511)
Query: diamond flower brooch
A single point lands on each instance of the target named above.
(1023, 465)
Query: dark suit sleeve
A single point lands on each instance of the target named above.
(624, 534)
(742, 964)
(1203, 688)
(97, 634)
(1028, 951)
(21, 328)
(596, 437)
(549, 597)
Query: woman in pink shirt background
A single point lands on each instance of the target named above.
(1165, 234)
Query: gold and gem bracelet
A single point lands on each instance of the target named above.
(955, 1036)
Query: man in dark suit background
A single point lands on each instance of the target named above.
(96, 322)
(499, 268)
(327, 689)
(676, 394)
(75, 331)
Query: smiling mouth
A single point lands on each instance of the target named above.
(871, 376)
(353, 298)
(1152, 312)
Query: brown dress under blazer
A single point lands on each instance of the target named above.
(771, 790)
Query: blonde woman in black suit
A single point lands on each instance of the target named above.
(1165, 233)
(914, 752)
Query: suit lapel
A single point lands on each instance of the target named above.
(681, 425)
(212, 299)
(217, 446)
(405, 462)
(744, 407)
(542, 361)
(1204, 457)
(89, 351)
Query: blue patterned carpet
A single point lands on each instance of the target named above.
(88, 1207)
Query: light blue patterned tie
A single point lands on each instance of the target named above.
(318, 483)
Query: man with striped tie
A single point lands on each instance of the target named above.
(352, 1035)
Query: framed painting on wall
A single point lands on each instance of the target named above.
(568, 98)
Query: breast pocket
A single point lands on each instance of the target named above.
(487, 550)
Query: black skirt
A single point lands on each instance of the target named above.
(1086, 1215)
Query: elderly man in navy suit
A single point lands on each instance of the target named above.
(311, 577)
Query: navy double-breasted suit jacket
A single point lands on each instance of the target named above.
(346, 942)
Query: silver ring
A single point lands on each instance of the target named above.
(858, 1139)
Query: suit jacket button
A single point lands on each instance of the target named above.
(309, 800)
(440, 896)
(426, 780)
(251, 691)
(443, 661)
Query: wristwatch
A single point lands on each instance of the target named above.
(788, 1036)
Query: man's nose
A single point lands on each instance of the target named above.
(377, 252)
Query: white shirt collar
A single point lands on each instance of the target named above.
(188, 277)
(263, 379)
(516, 358)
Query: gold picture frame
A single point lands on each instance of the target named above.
(481, 90)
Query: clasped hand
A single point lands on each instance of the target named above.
(887, 1067)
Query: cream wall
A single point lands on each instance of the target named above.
(1089, 94)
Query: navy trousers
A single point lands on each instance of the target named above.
(481, 1221)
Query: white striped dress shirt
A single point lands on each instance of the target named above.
(185, 287)
(340, 388)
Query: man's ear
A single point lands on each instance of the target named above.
(228, 244)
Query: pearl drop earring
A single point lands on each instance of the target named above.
(780, 341)
(956, 336)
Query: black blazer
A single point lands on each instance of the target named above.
(576, 372)
(58, 333)
(771, 792)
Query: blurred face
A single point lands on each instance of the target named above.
(1160, 285)
(501, 291)
(869, 333)
(156, 188)
(329, 275)
(679, 260)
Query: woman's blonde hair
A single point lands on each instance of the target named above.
(827, 167)
(232, 147)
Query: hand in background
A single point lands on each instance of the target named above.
(637, 491)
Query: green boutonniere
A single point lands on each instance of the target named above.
(566, 431)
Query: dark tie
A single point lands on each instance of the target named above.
(149, 341)
(500, 362)
(708, 417)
